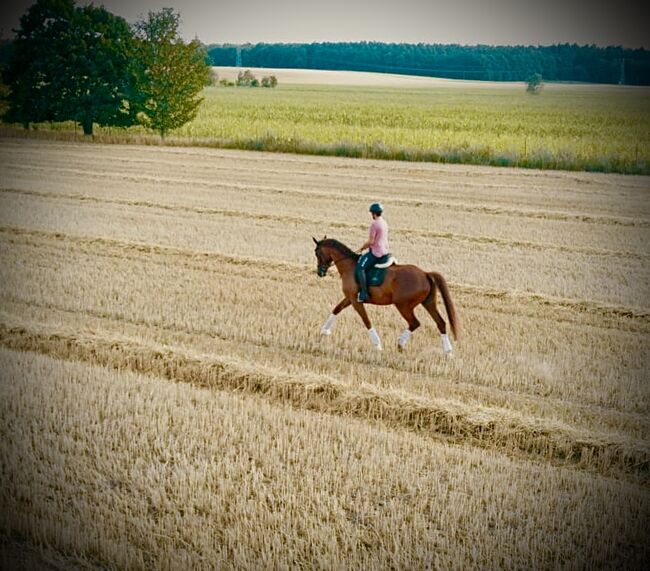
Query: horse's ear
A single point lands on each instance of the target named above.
(315, 241)
(325, 237)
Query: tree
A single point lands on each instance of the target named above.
(170, 74)
(245, 78)
(99, 83)
(4, 97)
(71, 63)
(32, 71)
(534, 84)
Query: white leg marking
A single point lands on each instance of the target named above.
(446, 344)
(374, 337)
(403, 338)
(326, 329)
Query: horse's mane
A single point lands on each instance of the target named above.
(340, 247)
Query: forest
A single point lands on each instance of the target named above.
(560, 62)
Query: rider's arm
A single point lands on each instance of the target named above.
(366, 244)
(370, 241)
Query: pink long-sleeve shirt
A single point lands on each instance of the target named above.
(379, 237)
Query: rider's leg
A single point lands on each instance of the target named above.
(366, 261)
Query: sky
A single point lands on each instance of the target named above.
(469, 22)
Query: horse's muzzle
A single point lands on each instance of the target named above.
(321, 271)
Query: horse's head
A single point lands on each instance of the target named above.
(323, 258)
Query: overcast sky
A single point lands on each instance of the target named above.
(497, 22)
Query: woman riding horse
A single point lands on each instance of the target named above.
(378, 248)
(404, 286)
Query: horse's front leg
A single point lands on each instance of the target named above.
(374, 336)
(326, 329)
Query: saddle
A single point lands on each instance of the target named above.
(375, 275)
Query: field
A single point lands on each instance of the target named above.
(574, 127)
(168, 402)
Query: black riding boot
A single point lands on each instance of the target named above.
(362, 296)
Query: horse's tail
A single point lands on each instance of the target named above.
(438, 280)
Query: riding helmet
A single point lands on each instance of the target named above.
(376, 208)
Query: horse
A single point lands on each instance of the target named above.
(405, 286)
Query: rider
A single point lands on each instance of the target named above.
(378, 244)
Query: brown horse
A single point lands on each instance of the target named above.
(404, 286)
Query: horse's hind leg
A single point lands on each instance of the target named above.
(407, 313)
(430, 305)
(326, 329)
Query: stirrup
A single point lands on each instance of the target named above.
(361, 298)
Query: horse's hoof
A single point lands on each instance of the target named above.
(400, 348)
(325, 332)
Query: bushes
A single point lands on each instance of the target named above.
(247, 79)
(270, 81)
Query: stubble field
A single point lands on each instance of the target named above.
(168, 401)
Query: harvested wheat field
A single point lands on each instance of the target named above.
(292, 76)
(167, 400)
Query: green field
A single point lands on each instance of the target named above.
(600, 128)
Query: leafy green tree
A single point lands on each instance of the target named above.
(170, 73)
(4, 97)
(99, 84)
(534, 84)
(71, 63)
(32, 73)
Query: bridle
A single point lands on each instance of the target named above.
(322, 268)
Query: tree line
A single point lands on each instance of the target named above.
(561, 62)
(85, 64)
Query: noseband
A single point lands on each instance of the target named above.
(323, 267)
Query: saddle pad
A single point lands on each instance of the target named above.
(375, 275)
